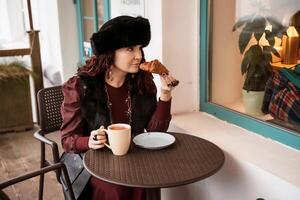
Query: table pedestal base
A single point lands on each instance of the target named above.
(153, 193)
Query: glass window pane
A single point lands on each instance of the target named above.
(13, 18)
(87, 8)
(88, 21)
(88, 28)
(100, 11)
(254, 47)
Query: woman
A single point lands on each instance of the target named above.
(110, 88)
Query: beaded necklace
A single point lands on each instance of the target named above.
(127, 101)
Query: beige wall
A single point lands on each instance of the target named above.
(68, 38)
(226, 59)
(180, 39)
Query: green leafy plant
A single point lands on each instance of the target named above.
(257, 58)
(14, 70)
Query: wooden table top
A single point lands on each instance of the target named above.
(280, 65)
(188, 160)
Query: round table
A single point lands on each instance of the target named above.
(188, 160)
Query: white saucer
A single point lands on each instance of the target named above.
(154, 140)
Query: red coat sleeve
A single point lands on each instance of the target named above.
(161, 118)
(72, 137)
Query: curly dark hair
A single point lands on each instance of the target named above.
(142, 81)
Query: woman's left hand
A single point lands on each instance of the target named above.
(166, 86)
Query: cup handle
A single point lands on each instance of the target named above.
(106, 132)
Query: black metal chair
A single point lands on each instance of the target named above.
(57, 166)
(49, 102)
(50, 120)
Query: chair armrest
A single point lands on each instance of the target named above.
(40, 136)
(28, 175)
(38, 172)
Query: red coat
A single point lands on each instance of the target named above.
(75, 134)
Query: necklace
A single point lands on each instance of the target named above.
(127, 102)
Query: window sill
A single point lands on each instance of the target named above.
(269, 155)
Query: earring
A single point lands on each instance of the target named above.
(109, 75)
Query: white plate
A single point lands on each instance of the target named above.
(154, 140)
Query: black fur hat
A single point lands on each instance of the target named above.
(122, 31)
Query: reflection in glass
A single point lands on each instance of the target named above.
(92, 20)
(88, 26)
(13, 19)
(248, 43)
(100, 11)
(88, 19)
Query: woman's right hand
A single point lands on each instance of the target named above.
(97, 138)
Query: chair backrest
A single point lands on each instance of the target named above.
(49, 104)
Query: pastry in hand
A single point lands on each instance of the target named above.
(156, 67)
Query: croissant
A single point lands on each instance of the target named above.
(156, 67)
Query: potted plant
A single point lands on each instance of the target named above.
(15, 101)
(256, 44)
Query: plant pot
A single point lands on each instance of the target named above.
(253, 102)
(15, 105)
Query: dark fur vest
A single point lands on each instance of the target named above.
(94, 109)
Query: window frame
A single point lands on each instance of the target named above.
(79, 16)
(275, 132)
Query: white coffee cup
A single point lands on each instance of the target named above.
(119, 137)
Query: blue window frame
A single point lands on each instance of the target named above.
(90, 15)
(268, 130)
